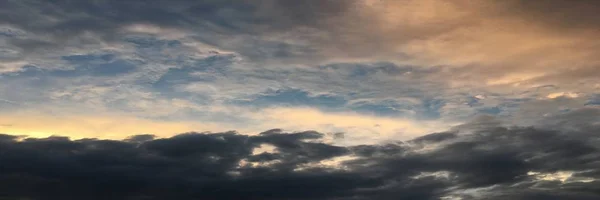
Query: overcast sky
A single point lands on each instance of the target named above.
(289, 99)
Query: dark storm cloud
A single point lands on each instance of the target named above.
(223, 166)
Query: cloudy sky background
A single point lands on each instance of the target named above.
(374, 69)
(364, 72)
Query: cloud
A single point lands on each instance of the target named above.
(443, 32)
(489, 162)
(374, 70)
(169, 117)
(359, 128)
(419, 59)
(378, 84)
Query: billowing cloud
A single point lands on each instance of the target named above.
(473, 161)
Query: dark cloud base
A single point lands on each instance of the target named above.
(483, 162)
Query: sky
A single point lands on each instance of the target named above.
(286, 99)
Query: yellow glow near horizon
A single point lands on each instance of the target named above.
(87, 126)
(358, 128)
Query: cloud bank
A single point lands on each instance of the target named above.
(477, 160)
(207, 64)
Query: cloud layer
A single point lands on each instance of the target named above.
(473, 161)
(219, 63)
(412, 99)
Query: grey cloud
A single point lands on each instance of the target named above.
(583, 118)
(54, 24)
(435, 137)
(559, 13)
(494, 160)
(280, 30)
